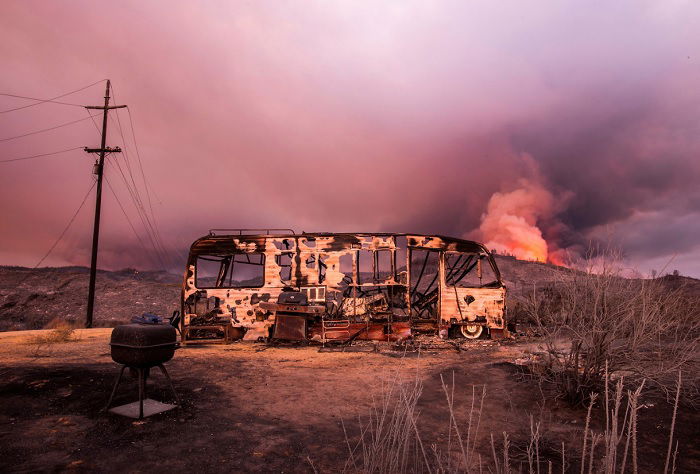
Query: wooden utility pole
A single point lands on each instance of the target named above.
(99, 166)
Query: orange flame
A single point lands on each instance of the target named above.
(509, 224)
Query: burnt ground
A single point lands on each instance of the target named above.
(250, 407)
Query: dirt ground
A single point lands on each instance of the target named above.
(254, 408)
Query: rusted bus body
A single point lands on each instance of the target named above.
(375, 286)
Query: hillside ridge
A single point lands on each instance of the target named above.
(34, 298)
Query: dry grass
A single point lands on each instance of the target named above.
(61, 332)
(390, 440)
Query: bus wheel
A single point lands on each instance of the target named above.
(471, 331)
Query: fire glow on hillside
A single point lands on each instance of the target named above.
(510, 223)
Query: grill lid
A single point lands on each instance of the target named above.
(142, 336)
(293, 297)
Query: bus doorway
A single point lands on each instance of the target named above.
(424, 288)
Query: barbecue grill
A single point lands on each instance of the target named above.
(141, 347)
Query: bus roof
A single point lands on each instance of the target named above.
(334, 241)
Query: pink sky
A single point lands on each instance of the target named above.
(357, 116)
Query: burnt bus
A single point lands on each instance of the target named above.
(275, 284)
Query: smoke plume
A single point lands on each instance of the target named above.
(356, 116)
(510, 223)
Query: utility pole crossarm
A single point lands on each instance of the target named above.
(101, 107)
(107, 149)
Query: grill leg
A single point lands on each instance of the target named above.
(165, 372)
(141, 391)
(114, 389)
(146, 373)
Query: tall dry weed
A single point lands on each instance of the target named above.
(390, 439)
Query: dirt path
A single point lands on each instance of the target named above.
(250, 407)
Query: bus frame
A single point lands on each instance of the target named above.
(339, 287)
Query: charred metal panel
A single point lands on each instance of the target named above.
(290, 328)
(445, 243)
(473, 304)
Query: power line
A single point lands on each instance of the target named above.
(70, 222)
(133, 189)
(43, 154)
(138, 237)
(150, 223)
(141, 213)
(52, 99)
(143, 175)
(126, 154)
(47, 129)
(138, 156)
(40, 101)
(97, 127)
(142, 216)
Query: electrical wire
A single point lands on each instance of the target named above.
(138, 237)
(133, 191)
(42, 154)
(141, 215)
(157, 249)
(150, 228)
(52, 99)
(70, 222)
(138, 154)
(93, 122)
(136, 198)
(97, 128)
(40, 101)
(143, 174)
(149, 221)
(47, 129)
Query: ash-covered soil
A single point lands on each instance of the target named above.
(31, 299)
(256, 408)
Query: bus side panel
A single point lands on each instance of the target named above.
(241, 305)
(472, 304)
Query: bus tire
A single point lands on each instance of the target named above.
(471, 331)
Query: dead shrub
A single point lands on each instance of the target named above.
(61, 331)
(640, 328)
